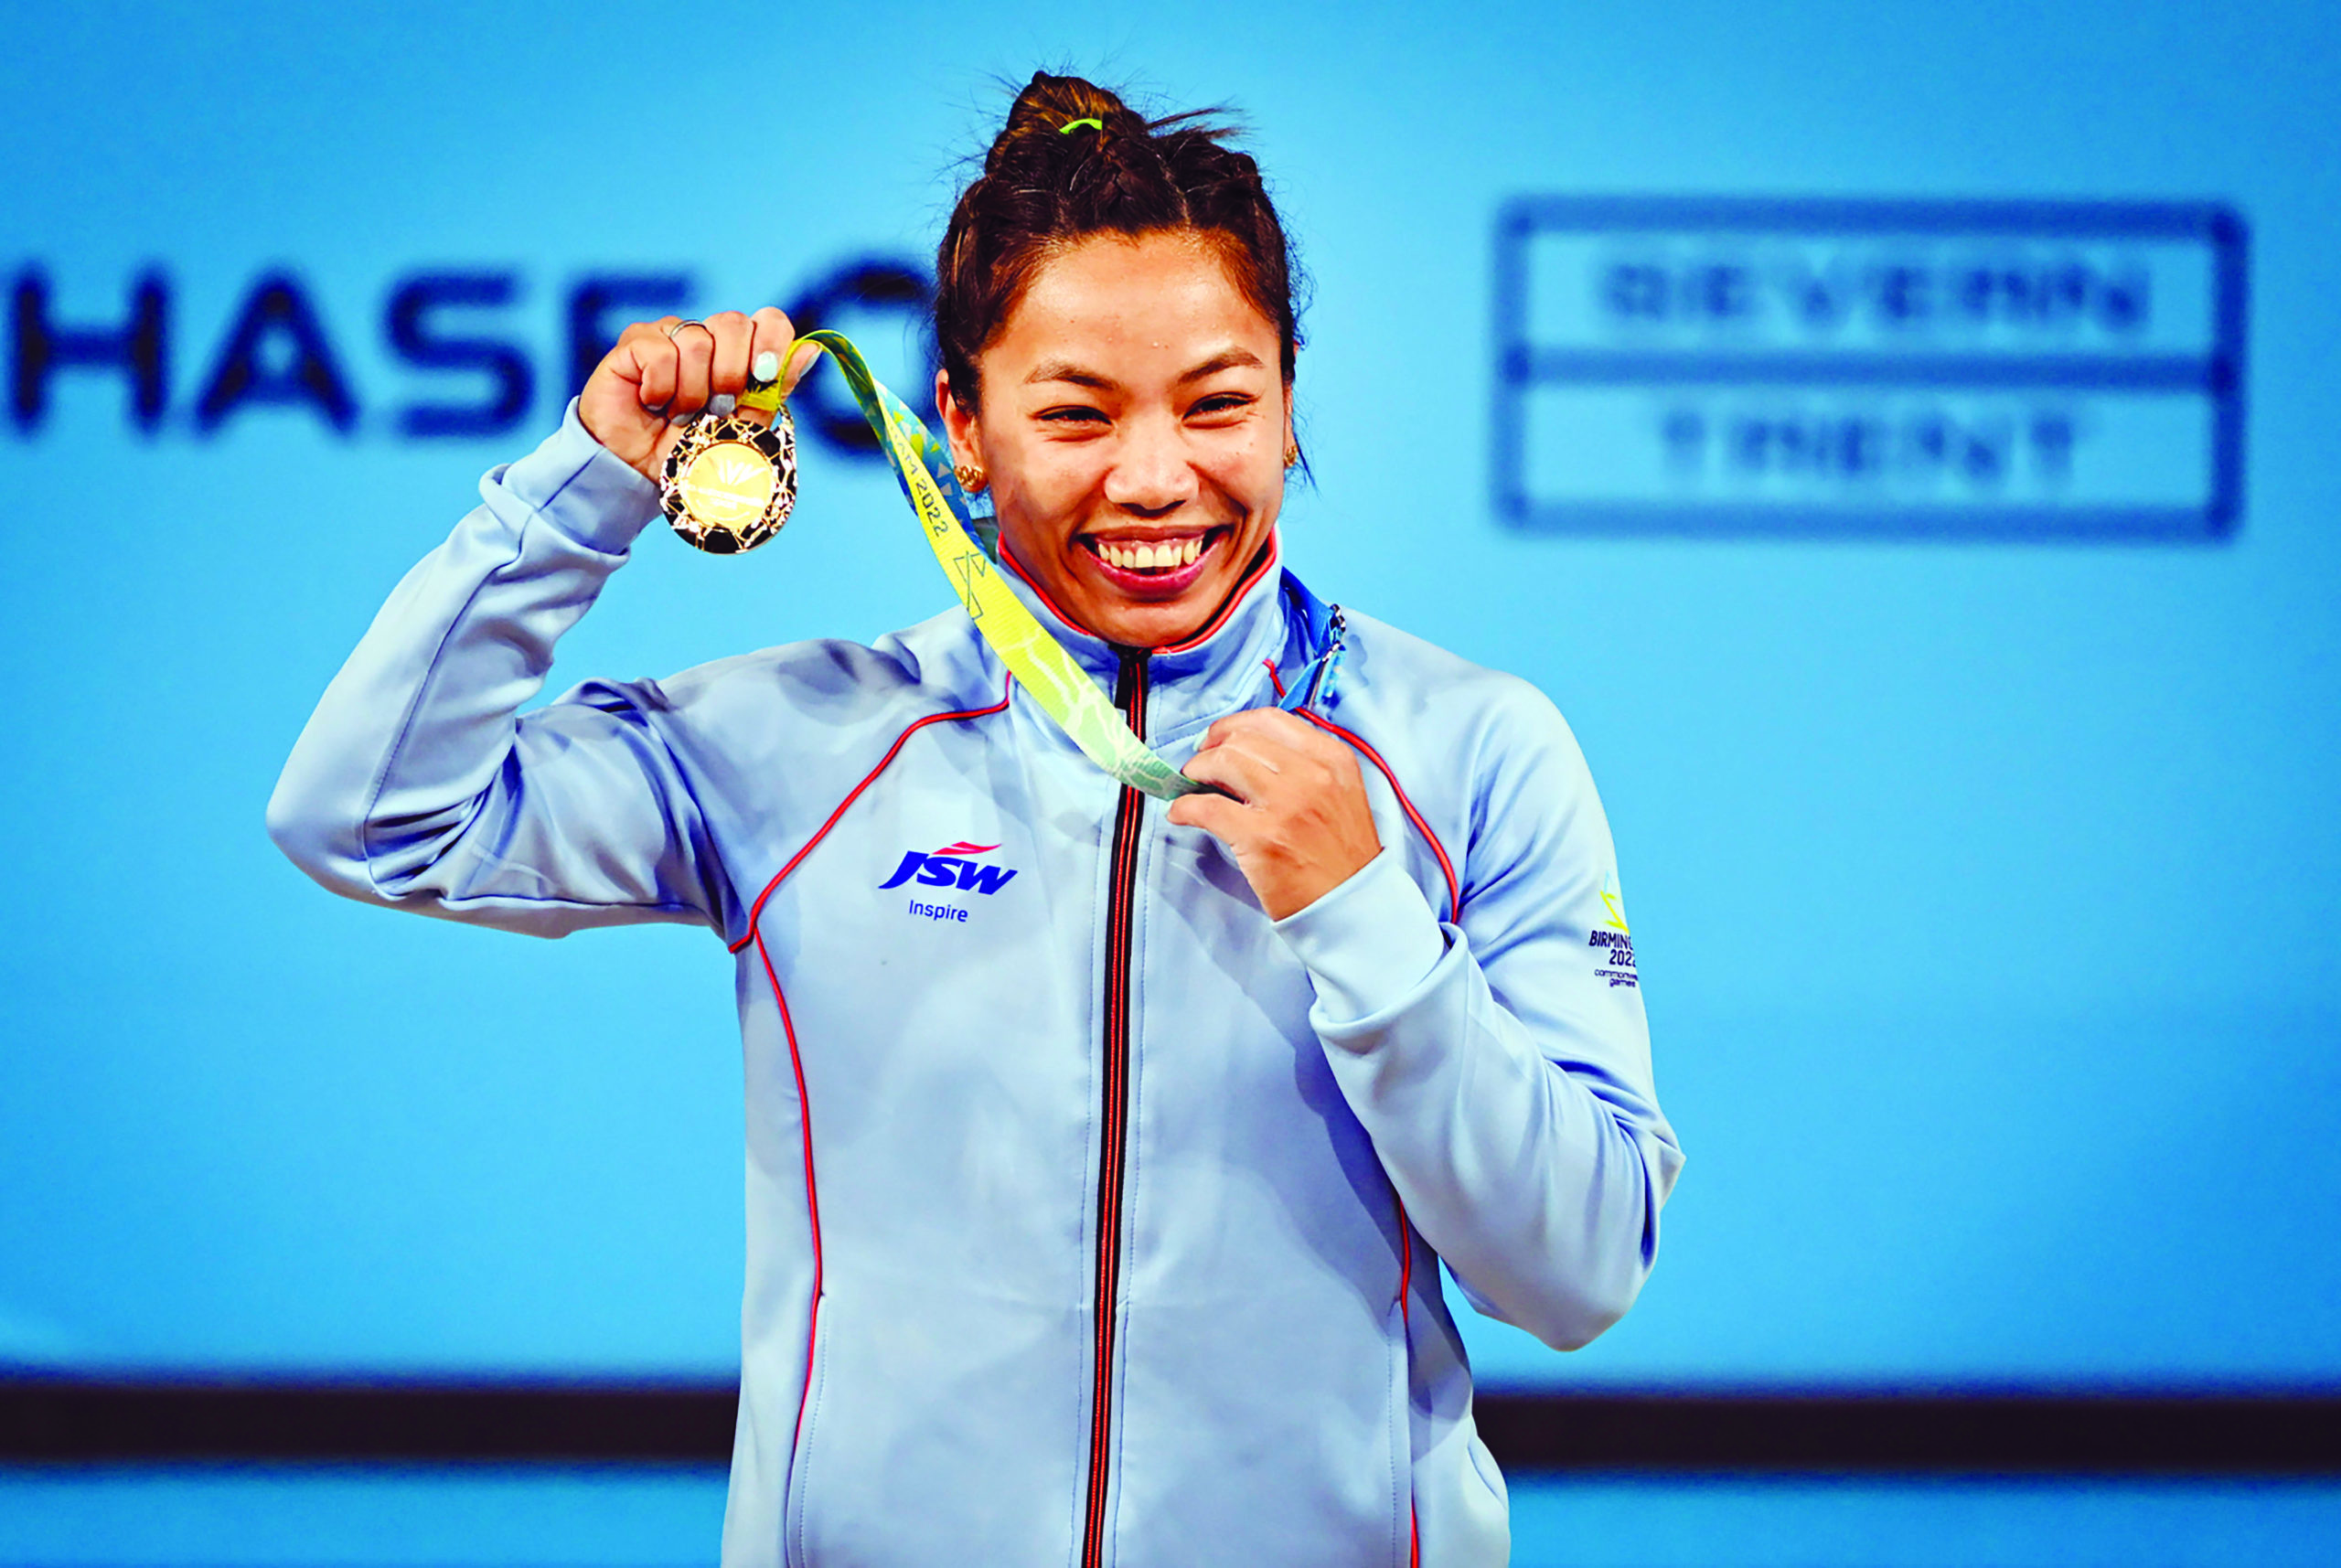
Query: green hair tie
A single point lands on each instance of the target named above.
(1070, 126)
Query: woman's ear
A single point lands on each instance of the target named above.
(958, 423)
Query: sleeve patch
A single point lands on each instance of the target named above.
(1612, 944)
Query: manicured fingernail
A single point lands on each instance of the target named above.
(722, 404)
(767, 367)
(801, 360)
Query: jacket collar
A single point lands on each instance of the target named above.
(1220, 670)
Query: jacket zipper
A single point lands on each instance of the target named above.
(1130, 816)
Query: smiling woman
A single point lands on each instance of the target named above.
(1136, 458)
(1136, 483)
(1102, 1160)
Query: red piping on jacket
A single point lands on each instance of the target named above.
(812, 1191)
(788, 1025)
(1454, 913)
(1406, 1327)
(757, 909)
(1446, 867)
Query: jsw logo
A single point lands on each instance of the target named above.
(949, 867)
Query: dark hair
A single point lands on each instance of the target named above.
(1044, 187)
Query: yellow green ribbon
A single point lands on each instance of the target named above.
(1060, 685)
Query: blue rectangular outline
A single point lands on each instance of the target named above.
(1519, 365)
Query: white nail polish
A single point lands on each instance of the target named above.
(722, 404)
(767, 365)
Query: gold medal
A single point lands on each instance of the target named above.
(730, 483)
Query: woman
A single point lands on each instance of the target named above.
(1101, 1155)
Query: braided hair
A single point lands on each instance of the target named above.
(1073, 161)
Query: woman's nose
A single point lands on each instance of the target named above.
(1150, 472)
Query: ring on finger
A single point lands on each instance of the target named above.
(693, 322)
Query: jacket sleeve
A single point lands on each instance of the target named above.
(417, 782)
(1501, 1065)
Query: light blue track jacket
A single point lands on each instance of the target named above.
(1093, 1217)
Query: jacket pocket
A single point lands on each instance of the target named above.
(1402, 1436)
(795, 1552)
(1491, 1477)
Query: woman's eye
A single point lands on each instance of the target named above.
(1075, 415)
(1222, 403)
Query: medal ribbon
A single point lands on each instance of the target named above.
(1062, 688)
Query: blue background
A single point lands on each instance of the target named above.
(1984, 891)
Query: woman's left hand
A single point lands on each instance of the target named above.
(1299, 825)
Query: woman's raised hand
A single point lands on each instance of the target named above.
(660, 373)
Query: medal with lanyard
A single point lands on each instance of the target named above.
(730, 484)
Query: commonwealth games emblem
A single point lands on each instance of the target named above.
(730, 483)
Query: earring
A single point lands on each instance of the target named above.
(970, 477)
(1292, 452)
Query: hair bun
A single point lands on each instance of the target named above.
(1049, 103)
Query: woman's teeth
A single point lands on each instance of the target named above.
(1137, 555)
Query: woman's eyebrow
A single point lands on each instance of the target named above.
(1081, 375)
(1226, 359)
(1068, 370)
